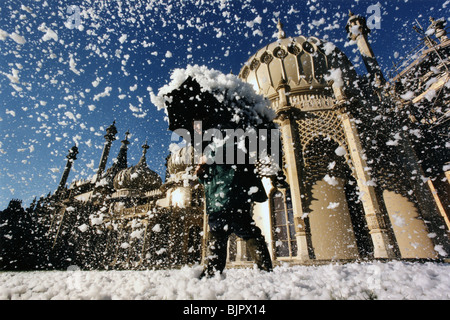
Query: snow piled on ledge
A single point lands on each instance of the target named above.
(358, 281)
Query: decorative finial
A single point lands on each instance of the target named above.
(143, 159)
(73, 153)
(437, 28)
(145, 147)
(281, 33)
(111, 131)
(125, 141)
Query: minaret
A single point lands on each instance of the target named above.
(109, 137)
(71, 157)
(143, 160)
(357, 31)
(121, 161)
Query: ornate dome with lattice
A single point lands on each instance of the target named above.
(304, 64)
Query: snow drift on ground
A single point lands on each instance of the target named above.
(360, 281)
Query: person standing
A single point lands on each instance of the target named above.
(230, 190)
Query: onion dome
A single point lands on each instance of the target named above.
(139, 177)
(180, 160)
(303, 64)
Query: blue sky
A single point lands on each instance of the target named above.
(61, 86)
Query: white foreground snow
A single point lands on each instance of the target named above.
(375, 280)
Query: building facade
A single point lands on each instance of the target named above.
(355, 188)
(359, 185)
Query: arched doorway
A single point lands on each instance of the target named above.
(336, 217)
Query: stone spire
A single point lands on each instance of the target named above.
(281, 33)
(111, 132)
(121, 161)
(143, 160)
(71, 157)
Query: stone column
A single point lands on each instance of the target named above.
(375, 220)
(241, 250)
(289, 134)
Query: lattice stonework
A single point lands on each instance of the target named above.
(325, 123)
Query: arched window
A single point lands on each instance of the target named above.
(284, 229)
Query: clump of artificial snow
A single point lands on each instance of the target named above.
(408, 95)
(224, 87)
(360, 281)
(336, 76)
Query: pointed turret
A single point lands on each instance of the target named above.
(121, 161)
(357, 31)
(143, 160)
(111, 132)
(71, 157)
(281, 33)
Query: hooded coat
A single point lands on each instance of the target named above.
(229, 187)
